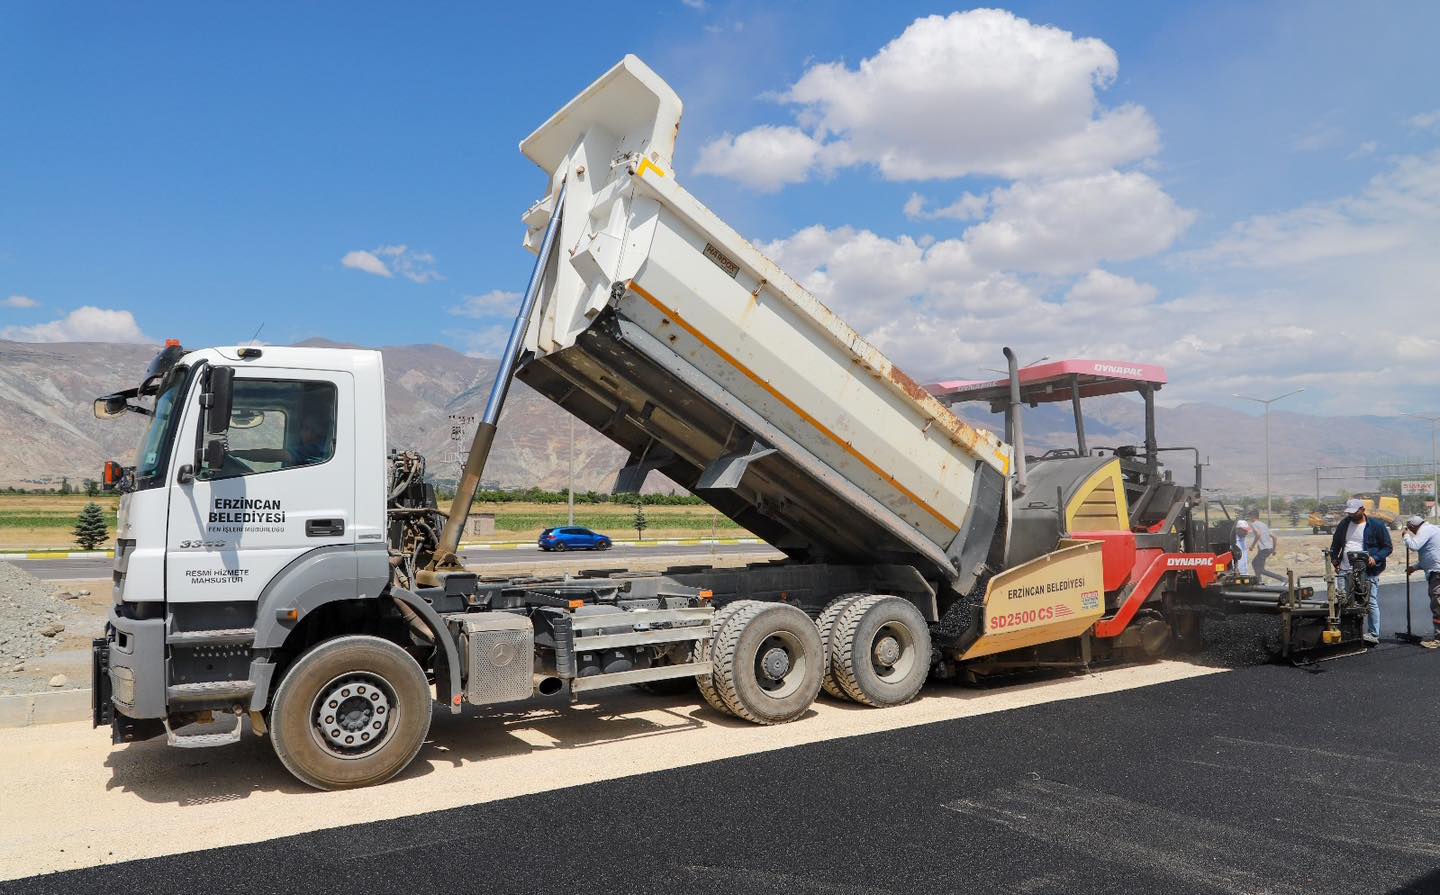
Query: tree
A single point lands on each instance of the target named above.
(92, 487)
(640, 523)
(65, 486)
(90, 529)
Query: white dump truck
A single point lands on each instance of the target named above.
(276, 562)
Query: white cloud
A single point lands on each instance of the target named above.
(20, 301)
(966, 208)
(87, 324)
(1104, 291)
(764, 158)
(1067, 226)
(1424, 121)
(1315, 282)
(694, 4)
(1386, 215)
(386, 261)
(974, 93)
(1321, 135)
(1364, 149)
(362, 260)
(492, 303)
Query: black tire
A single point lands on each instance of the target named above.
(561, 547)
(751, 640)
(350, 665)
(826, 624)
(880, 651)
(704, 652)
(604, 545)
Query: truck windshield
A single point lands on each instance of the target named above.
(155, 445)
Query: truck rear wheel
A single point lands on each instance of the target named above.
(826, 624)
(351, 712)
(768, 662)
(705, 652)
(880, 651)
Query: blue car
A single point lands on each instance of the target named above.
(572, 538)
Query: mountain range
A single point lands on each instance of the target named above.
(48, 431)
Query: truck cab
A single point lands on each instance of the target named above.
(222, 522)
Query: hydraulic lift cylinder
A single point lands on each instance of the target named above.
(499, 389)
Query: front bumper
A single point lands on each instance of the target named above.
(135, 662)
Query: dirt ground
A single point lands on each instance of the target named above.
(1306, 555)
(66, 653)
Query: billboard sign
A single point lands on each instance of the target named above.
(1424, 487)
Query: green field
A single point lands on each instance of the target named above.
(47, 519)
(613, 521)
(28, 519)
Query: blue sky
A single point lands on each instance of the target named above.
(206, 168)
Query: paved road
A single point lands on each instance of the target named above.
(99, 567)
(1266, 779)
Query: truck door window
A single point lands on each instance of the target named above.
(278, 424)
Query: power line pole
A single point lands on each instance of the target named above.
(1269, 520)
(1434, 469)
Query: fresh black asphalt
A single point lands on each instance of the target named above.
(1265, 779)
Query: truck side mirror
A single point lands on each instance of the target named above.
(109, 407)
(111, 475)
(221, 395)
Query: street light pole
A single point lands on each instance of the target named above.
(1434, 469)
(1269, 518)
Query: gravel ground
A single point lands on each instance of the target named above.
(40, 631)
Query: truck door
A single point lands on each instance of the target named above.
(286, 487)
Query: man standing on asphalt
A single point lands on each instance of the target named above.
(1360, 534)
(1264, 546)
(1423, 539)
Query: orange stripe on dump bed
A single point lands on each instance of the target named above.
(819, 426)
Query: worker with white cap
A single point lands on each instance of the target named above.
(1360, 534)
(1264, 546)
(1423, 539)
(1242, 547)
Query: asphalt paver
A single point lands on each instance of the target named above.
(1267, 779)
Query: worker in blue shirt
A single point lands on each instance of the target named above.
(1423, 539)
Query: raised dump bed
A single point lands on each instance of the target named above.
(662, 327)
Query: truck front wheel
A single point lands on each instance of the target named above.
(351, 712)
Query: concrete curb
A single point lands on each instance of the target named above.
(46, 707)
(57, 554)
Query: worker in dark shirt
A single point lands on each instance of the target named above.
(1361, 535)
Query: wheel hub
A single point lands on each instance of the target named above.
(353, 714)
(775, 663)
(887, 651)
